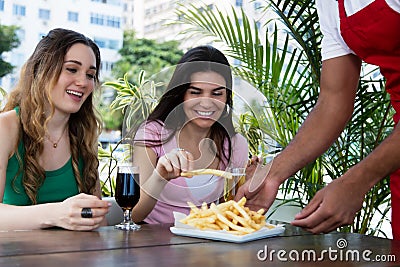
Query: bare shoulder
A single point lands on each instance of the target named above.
(9, 129)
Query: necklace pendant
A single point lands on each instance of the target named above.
(55, 145)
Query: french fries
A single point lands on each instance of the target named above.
(220, 173)
(230, 216)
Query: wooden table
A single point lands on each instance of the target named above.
(155, 245)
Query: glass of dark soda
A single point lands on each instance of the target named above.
(127, 194)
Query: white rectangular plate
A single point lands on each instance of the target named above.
(187, 230)
(223, 236)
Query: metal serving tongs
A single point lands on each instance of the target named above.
(224, 174)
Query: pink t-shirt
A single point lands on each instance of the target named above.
(177, 193)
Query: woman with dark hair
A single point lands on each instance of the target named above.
(190, 128)
(49, 132)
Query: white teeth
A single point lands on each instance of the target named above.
(202, 113)
(75, 93)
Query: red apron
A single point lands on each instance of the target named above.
(373, 34)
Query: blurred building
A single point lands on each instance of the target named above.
(155, 19)
(101, 20)
(104, 21)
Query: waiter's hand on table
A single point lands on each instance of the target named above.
(333, 206)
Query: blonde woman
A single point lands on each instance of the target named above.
(48, 132)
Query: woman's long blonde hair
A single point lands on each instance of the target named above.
(32, 94)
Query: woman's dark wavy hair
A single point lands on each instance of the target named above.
(169, 110)
(32, 94)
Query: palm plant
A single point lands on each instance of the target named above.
(136, 103)
(2, 95)
(283, 62)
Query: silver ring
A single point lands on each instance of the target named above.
(179, 149)
(86, 213)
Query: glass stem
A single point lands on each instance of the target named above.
(127, 215)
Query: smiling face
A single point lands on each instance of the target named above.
(77, 79)
(205, 99)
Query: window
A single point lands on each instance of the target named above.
(96, 19)
(107, 43)
(113, 44)
(106, 66)
(100, 42)
(41, 36)
(113, 2)
(113, 22)
(110, 2)
(110, 21)
(19, 10)
(73, 16)
(1, 5)
(44, 14)
(239, 3)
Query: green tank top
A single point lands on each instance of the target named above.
(58, 184)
